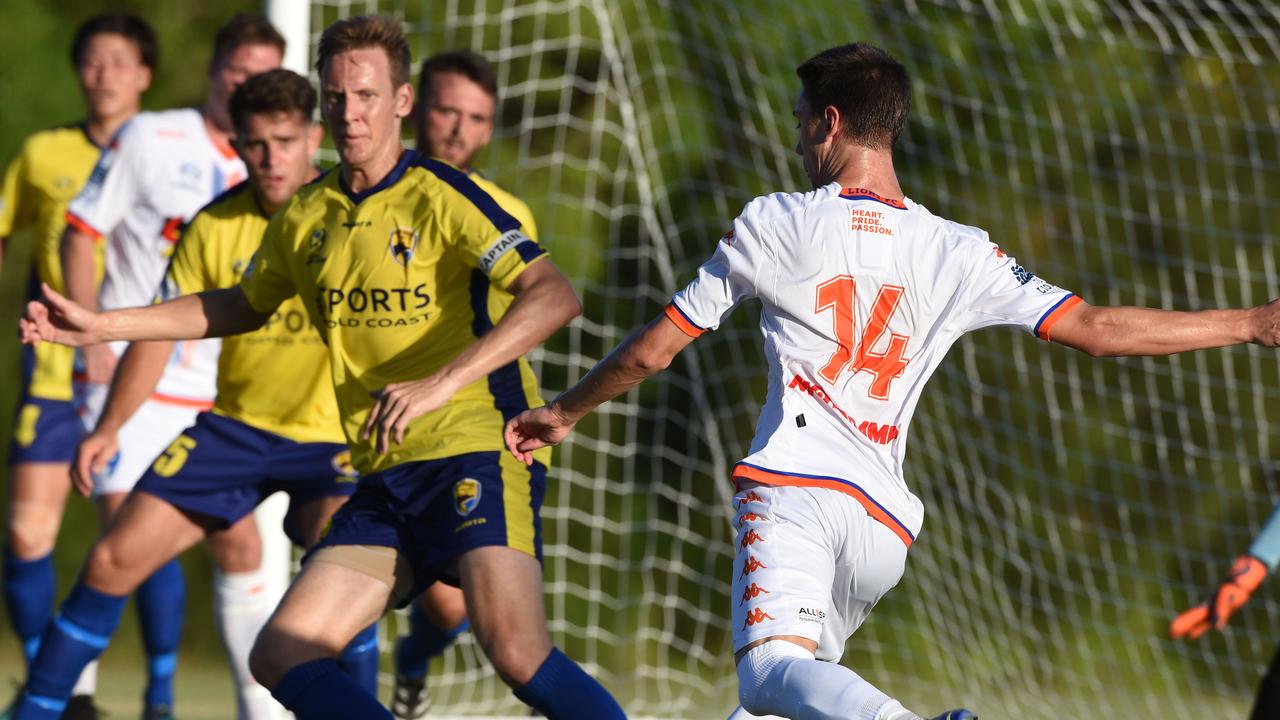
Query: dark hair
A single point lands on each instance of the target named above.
(130, 27)
(245, 29)
(271, 92)
(366, 31)
(871, 90)
(468, 64)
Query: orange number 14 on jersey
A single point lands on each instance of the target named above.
(837, 294)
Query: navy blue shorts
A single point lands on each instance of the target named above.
(223, 468)
(432, 511)
(45, 431)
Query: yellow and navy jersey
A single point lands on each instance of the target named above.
(275, 378)
(38, 184)
(400, 279)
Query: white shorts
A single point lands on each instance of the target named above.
(151, 429)
(809, 562)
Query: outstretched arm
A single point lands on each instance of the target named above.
(644, 353)
(1110, 331)
(215, 313)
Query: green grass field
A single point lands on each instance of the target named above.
(203, 686)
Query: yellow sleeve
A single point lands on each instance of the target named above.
(188, 272)
(268, 281)
(11, 193)
(489, 238)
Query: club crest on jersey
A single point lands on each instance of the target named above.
(404, 241)
(315, 246)
(342, 465)
(466, 496)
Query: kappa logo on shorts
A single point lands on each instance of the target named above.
(750, 566)
(812, 615)
(342, 465)
(755, 617)
(751, 537)
(750, 497)
(749, 516)
(754, 591)
(466, 496)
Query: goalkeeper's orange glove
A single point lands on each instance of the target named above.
(1245, 576)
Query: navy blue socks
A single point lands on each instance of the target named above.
(75, 637)
(424, 641)
(320, 690)
(162, 603)
(29, 594)
(562, 691)
(360, 659)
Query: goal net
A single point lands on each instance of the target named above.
(1124, 150)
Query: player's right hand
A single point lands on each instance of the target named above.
(1245, 576)
(59, 320)
(1266, 324)
(92, 456)
(534, 429)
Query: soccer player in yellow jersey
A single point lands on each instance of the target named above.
(113, 55)
(428, 294)
(274, 423)
(457, 98)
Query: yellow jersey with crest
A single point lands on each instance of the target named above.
(275, 378)
(400, 279)
(41, 180)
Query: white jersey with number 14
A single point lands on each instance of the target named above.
(862, 297)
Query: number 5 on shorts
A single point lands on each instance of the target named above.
(174, 457)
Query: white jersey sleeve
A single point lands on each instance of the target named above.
(731, 275)
(114, 186)
(1002, 292)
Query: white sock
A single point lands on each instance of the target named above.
(242, 603)
(87, 683)
(782, 678)
(740, 714)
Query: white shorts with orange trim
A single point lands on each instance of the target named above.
(144, 437)
(809, 562)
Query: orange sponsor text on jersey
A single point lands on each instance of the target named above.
(876, 433)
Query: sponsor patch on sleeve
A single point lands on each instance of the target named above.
(508, 240)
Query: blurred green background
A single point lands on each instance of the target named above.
(39, 87)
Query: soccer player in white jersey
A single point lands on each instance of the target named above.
(457, 99)
(160, 169)
(113, 55)
(863, 291)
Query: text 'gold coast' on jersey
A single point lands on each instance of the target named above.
(41, 180)
(399, 280)
(275, 378)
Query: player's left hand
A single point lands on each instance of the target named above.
(534, 429)
(397, 404)
(1245, 576)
